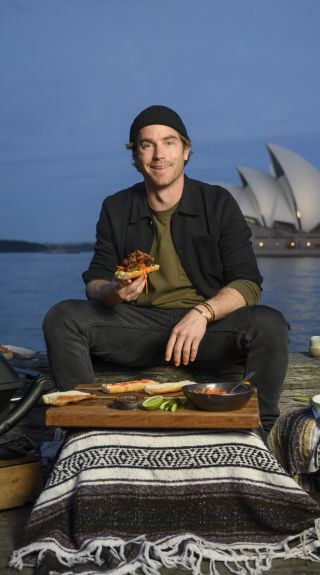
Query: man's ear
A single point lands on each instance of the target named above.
(186, 152)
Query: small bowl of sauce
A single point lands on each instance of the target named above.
(127, 402)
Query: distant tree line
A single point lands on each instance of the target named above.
(10, 246)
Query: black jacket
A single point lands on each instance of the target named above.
(209, 232)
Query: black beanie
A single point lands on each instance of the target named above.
(157, 115)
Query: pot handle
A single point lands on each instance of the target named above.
(26, 403)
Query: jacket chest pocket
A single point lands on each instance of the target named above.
(206, 248)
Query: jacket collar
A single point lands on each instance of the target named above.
(140, 208)
(189, 198)
(188, 204)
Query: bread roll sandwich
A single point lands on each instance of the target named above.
(6, 352)
(149, 386)
(170, 387)
(127, 386)
(136, 264)
(59, 398)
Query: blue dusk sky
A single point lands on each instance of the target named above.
(75, 73)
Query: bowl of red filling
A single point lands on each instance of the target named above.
(218, 396)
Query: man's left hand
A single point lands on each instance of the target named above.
(185, 338)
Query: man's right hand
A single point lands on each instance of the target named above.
(116, 291)
(128, 290)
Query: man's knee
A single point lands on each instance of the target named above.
(269, 323)
(56, 317)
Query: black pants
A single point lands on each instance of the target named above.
(135, 336)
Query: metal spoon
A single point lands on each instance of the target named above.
(244, 381)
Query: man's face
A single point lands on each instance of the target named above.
(161, 155)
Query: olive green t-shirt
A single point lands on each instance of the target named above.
(170, 287)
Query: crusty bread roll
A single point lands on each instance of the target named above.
(170, 387)
(126, 386)
(59, 398)
(122, 275)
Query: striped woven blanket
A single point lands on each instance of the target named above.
(123, 502)
(295, 442)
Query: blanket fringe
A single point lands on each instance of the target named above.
(186, 551)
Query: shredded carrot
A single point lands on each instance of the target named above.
(146, 278)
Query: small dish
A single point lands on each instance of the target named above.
(196, 393)
(314, 346)
(127, 402)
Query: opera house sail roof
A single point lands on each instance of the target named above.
(288, 197)
(303, 181)
(273, 204)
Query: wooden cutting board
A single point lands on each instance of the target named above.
(100, 413)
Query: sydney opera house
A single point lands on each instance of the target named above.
(282, 207)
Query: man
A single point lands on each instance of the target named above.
(201, 304)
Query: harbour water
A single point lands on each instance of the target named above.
(30, 283)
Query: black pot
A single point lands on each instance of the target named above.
(10, 382)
